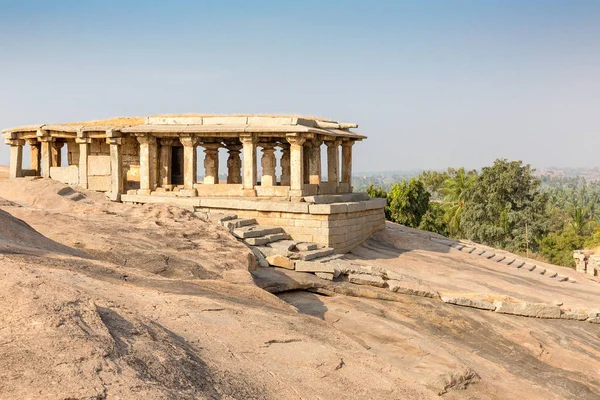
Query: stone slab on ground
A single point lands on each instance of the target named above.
(311, 266)
(324, 275)
(348, 267)
(412, 288)
(526, 309)
(463, 301)
(575, 314)
(284, 245)
(362, 279)
(280, 261)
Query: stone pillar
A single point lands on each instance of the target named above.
(268, 164)
(117, 185)
(285, 164)
(333, 161)
(165, 161)
(16, 158)
(189, 165)
(46, 159)
(56, 153)
(347, 162)
(84, 152)
(249, 149)
(314, 164)
(211, 163)
(306, 151)
(296, 165)
(234, 163)
(148, 164)
(36, 155)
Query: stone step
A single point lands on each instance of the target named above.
(329, 258)
(238, 223)
(220, 217)
(253, 231)
(261, 241)
(314, 254)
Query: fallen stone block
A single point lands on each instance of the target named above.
(498, 258)
(324, 275)
(526, 309)
(311, 266)
(255, 231)
(260, 257)
(220, 217)
(306, 246)
(530, 267)
(312, 254)
(457, 246)
(281, 262)
(508, 260)
(283, 245)
(465, 302)
(517, 263)
(594, 320)
(262, 240)
(561, 278)
(552, 274)
(487, 254)
(479, 252)
(347, 267)
(468, 249)
(238, 223)
(412, 288)
(332, 257)
(363, 279)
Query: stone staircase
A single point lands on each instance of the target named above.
(273, 247)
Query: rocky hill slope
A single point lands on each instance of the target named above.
(106, 300)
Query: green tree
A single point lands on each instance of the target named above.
(558, 247)
(433, 220)
(408, 202)
(502, 204)
(454, 190)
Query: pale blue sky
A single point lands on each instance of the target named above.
(432, 83)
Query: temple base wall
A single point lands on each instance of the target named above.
(341, 226)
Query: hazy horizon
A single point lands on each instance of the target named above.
(432, 84)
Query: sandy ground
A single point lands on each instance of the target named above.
(105, 300)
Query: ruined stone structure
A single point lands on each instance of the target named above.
(155, 159)
(587, 262)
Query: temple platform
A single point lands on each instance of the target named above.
(340, 225)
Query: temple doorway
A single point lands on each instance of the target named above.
(177, 165)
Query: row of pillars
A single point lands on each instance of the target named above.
(45, 153)
(300, 161)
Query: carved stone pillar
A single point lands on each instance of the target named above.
(333, 161)
(234, 163)
(314, 165)
(16, 158)
(249, 151)
(148, 164)
(285, 164)
(189, 164)
(211, 163)
(117, 185)
(347, 162)
(165, 161)
(84, 152)
(46, 159)
(268, 164)
(296, 165)
(36, 155)
(56, 153)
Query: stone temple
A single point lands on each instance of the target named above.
(155, 160)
